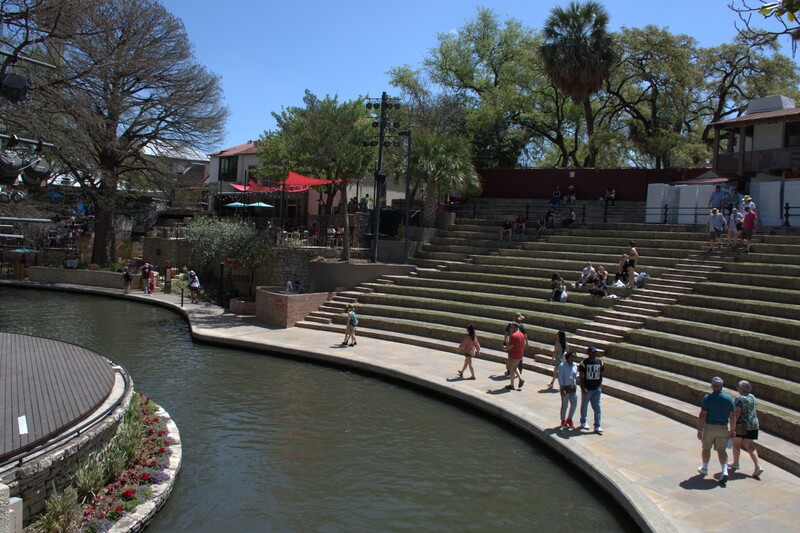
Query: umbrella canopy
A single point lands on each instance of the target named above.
(259, 204)
(23, 251)
(235, 204)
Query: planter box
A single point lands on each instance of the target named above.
(278, 308)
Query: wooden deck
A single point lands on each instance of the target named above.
(51, 384)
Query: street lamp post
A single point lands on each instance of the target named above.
(407, 213)
(381, 122)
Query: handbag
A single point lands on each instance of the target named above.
(570, 389)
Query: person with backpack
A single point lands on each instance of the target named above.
(350, 331)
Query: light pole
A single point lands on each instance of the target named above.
(406, 214)
(381, 122)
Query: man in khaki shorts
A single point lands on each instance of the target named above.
(715, 425)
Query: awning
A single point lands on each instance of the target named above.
(259, 204)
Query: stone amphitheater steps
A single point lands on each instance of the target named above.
(663, 342)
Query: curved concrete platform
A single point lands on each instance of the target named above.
(47, 386)
(644, 460)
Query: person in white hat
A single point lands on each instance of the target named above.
(194, 287)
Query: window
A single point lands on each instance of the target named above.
(792, 134)
(228, 168)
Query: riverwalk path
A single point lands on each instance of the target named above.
(646, 461)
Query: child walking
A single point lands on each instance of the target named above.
(470, 347)
(350, 331)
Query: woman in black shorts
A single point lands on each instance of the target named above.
(633, 258)
(746, 428)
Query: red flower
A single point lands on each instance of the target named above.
(119, 508)
(128, 494)
(155, 419)
(161, 433)
(161, 450)
(145, 476)
(153, 462)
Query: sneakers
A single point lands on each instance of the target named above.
(599, 431)
(703, 471)
(723, 480)
(344, 343)
(569, 423)
(758, 472)
(563, 424)
(509, 387)
(353, 343)
(733, 467)
(521, 383)
(584, 426)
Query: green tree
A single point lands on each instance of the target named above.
(653, 92)
(439, 164)
(783, 14)
(578, 52)
(132, 80)
(323, 139)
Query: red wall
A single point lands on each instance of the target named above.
(630, 183)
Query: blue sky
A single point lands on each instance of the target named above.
(268, 53)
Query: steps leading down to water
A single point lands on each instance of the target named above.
(700, 314)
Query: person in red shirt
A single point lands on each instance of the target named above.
(748, 226)
(516, 350)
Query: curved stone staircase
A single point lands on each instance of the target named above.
(700, 314)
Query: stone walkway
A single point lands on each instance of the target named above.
(644, 460)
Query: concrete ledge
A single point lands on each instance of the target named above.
(94, 278)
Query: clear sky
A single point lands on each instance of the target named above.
(269, 52)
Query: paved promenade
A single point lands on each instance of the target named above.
(645, 460)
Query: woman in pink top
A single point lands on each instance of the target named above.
(470, 347)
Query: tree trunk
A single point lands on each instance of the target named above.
(591, 156)
(346, 236)
(104, 250)
(430, 203)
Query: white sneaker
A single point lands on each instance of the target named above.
(599, 431)
(703, 471)
(585, 426)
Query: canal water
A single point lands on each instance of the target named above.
(274, 444)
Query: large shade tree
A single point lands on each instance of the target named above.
(324, 139)
(129, 79)
(578, 52)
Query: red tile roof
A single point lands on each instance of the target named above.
(248, 148)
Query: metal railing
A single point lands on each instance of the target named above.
(787, 214)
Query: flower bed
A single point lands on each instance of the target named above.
(140, 463)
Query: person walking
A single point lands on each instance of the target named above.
(518, 318)
(470, 347)
(748, 227)
(715, 425)
(746, 427)
(350, 329)
(127, 278)
(559, 349)
(591, 376)
(716, 226)
(194, 287)
(146, 271)
(516, 350)
(568, 387)
(734, 228)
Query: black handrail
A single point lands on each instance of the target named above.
(786, 214)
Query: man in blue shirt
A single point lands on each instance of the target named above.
(715, 425)
(717, 197)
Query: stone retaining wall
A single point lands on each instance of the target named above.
(95, 278)
(32, 480)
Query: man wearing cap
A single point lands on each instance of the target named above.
(715, 425)
(591, 376)
(516, 349)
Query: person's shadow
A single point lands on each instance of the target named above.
(699, 482)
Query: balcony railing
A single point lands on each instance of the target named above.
(760, 160)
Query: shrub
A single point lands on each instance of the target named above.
(90, 477)
(61, 512)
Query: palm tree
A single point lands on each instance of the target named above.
(439, 164)
(577, 52)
